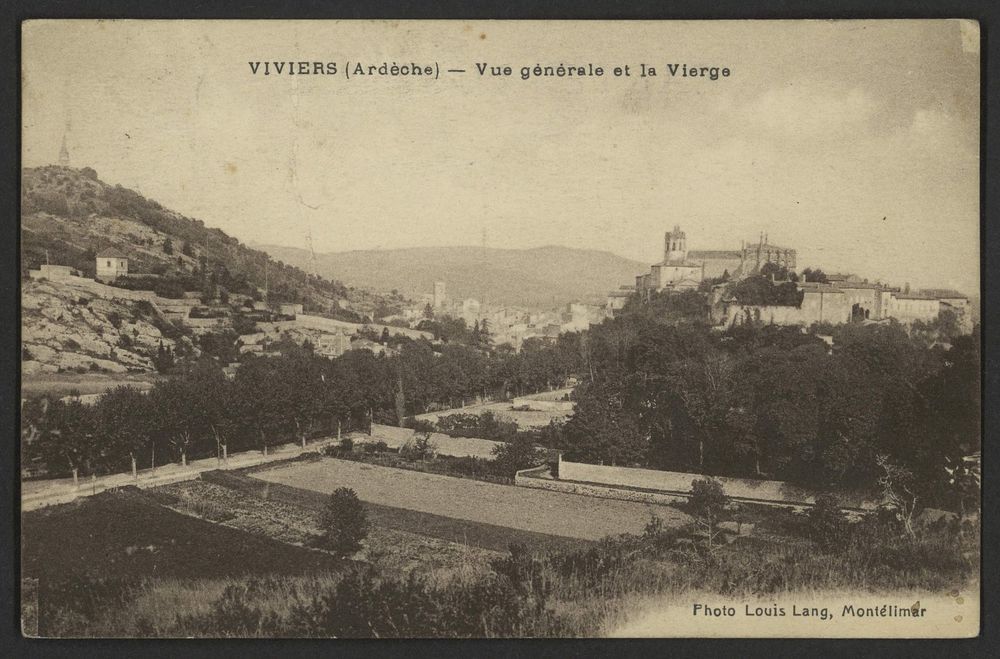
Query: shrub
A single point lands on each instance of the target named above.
(345, 522)
(706, 504)
(521, 453)
(346, 444)
(418, 448)
(376, 447)
(826, 525)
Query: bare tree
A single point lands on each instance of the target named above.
(898, 491)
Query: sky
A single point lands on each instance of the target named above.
(854, 142)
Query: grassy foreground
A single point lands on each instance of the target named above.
(213, 580)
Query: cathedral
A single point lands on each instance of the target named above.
(682, 270)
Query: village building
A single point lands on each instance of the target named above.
(53, 272)
(111, 264)
(332, 345)
(289, 309)
(439, 296)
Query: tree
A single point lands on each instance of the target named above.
(826, 524)
(428, 311)
(122, 423)
(168, 247)
(898, 491)
(243, 325)
(815, 275)
(164, 359)
(521, 453)
(345, 522)
(67, 437)
(602, 429)
(706, 504)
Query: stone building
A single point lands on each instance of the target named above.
(439, 296)
(675, 271)
(754, 256)
(111, 264)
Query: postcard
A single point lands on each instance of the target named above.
(500, 329)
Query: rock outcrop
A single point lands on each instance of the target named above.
(66, 327)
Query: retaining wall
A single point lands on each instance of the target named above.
(533, 478)
(678, 484)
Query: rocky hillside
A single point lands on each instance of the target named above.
(541, 277)
(68, 215)
(67, 328)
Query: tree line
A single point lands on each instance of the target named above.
(197, 411)
(664, 390)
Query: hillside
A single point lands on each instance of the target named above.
(65, 327)
(68, 215)
(539, 277)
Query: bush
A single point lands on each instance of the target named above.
(827, 525)
(706, 504)
(521, 453)
(418, 448)
(345, 522)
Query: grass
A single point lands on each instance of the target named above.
(477, 534)
(120, 564)
(64, 384)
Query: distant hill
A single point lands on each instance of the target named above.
(68, 215)
(539, 277)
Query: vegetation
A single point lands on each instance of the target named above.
(56, 202)
(345, 523)
(558, 592)
(778, 403)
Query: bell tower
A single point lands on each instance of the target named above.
(675, 245)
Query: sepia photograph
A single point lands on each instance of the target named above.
(500, 329)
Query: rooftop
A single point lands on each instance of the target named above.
(713, 254)
(111, 253)
(944, 293)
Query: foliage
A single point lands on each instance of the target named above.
(827, 524)
(759, 290)
(345, 522)
(521, 453)
(706, 504)
(420, 447)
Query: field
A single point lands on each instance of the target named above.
(295, 519)
(463, 532)
(63, 384)
(126, 534)
(537, 511)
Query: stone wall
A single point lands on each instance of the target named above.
(535, 478)
(679, 484)
(331, 325)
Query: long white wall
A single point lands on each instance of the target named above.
(680, 483)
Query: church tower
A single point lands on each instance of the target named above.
(675, 245)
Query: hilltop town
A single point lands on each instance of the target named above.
(759, 283)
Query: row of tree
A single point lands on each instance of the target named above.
(198, 412)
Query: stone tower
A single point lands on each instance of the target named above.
(675, 245)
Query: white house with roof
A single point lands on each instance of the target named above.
(111, 264)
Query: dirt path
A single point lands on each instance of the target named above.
(555, 513)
